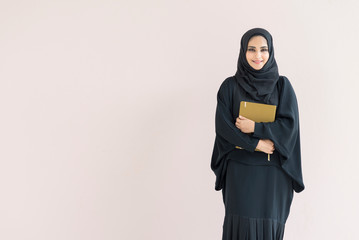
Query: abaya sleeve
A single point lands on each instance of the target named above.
(227, 134)
(284, 132)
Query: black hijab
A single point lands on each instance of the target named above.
(259, 84)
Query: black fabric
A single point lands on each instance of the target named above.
(257, 193)
(257, 198)
(259, 84)
(227, 134)
(284, 131)
(262, 86)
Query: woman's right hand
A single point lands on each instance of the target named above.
(266, 145)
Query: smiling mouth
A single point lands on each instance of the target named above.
(257, 62)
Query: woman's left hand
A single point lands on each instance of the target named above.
(244, 124)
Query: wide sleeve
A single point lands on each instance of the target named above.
(225, 124)
(284, 132)
(227, 135)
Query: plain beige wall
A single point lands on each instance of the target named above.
(107, 115)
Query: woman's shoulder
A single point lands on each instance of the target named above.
(228, 82)
(286, 86)
(284, 81)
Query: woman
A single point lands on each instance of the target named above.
(257, 192)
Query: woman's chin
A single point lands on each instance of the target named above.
(257, 67)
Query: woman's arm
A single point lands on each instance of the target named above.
(285, 129)
(285, 134)
(282, 132)
(247, 126)
(225, 125)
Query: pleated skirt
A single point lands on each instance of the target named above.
(257, 201)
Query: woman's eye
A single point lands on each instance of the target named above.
(253, 50)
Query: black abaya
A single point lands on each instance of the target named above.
(257, 193)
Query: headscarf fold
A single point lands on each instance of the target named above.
(259, 84)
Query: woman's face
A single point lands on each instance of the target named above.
(257, 52)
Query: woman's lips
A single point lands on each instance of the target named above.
(257, 62)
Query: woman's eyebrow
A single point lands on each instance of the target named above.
(255, 47)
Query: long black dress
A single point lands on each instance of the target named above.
(257, 193)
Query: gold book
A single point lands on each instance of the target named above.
(257, 112)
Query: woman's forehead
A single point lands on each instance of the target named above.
(258, 38)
